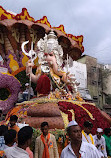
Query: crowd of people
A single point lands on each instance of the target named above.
(15, 142)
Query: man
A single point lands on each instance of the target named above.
(20, 95)
(86, 133)
(27, 91)
(24, 140)
(10, 138)
(45, 145)
(13, 121)
(3, 129)
(99, 142)
(107, 136)
(78, 148)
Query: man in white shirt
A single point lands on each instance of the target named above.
(27, 91)
(86, 133)
(24, 140)
(78, 148)
(99, 142)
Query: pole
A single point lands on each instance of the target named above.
(30, 74)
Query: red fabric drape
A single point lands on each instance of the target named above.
(43, 85)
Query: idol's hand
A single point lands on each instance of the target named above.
(29, 66)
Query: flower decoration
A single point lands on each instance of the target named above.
(82, 113)
(12, 62)
(1, 153)
(13, 85)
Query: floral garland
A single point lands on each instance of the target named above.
(13, 85)
(80, 111)
(81, 115)
(99, 121)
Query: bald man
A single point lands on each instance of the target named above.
(78, 148)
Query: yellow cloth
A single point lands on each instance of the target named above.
(39, 147)
(90, 135)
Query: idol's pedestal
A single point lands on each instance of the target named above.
(48, 112)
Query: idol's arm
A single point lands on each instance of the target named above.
(29, 73)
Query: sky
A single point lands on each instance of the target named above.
(90, 18)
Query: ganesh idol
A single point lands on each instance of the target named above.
(49, 74)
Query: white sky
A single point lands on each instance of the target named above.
(90, 18)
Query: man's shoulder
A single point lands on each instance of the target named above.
(94, 136)
(38, 138)
(16, 128)
(51, 135)
(9, 148)
(88, 145)
(90, 149)
(66, 148)
(102, 137)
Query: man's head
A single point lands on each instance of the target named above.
(27, 85)
(88, 127)
(107, 132)
(13, 120)
(25, 136)
(99, 132)
(10, 137)
(74, 132)
(3, 129)
(44, 128)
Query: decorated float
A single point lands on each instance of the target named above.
(58, 100)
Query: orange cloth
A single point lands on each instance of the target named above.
(46, 151)
(1, 153)
(15, 127)
(29, 152)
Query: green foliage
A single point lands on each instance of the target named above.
(36, 133)
(4, 93)
(58, 133)
(21, 76)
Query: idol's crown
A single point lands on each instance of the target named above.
(51, 35)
